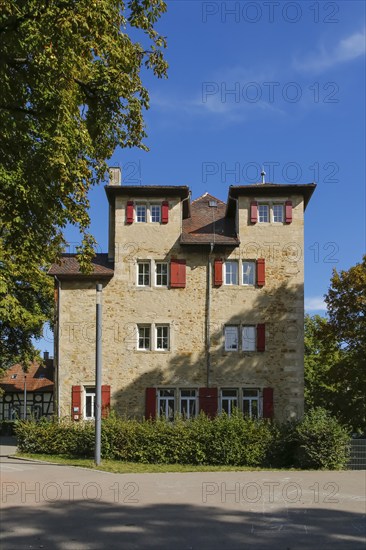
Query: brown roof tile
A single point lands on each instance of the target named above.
(69, 267)
(39, 378)
(208, 224)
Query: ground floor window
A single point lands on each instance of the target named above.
(188, 403)
(166, 404)
(246, 400)
(252, 402)
(229, 400)
(89, 409)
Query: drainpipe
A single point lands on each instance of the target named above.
(208, 316)
(56, 348)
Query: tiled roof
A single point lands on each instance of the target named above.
(69, 267)
(208, 224)
(39, 378)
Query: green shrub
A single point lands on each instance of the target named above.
(322, 442)
(316, 442)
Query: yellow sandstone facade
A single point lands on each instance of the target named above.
(203, 305)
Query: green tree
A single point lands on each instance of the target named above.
(346, 305)
(335, 373)
(70, 93)
(320, 355)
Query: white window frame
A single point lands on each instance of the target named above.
(252, 281)
(191, 399)
(151, 206)
(144, 337)
(167, 400)
(141, 205)
(229, 272)
(232, 400)
(158, 327)
(277, 204)
(250, 399)
(144, 264)
(89, 392)
(227, 329)
(248, 343)
(161, 275)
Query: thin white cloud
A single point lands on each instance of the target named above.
(232, 95)
(347, 49)
(315, 304)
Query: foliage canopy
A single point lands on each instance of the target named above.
(71, 92)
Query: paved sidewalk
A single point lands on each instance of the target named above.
(8, 445)
(58, 507)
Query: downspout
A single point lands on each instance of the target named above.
(208, 317)
(57, 346)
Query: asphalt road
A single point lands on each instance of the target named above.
(64, 508)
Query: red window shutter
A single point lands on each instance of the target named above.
(218, 280)
(76, 402)
(261, 272)
(208, 401)
(261, 337)
(150, 403)
(253, 212)
(288, 211)
(106, 401)
(165, 212)
(129, 212)
(177, 273)
(267, 402)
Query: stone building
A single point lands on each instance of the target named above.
(203, 305)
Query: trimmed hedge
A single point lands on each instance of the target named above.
(318, 441)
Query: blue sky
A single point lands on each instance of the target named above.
(279, 84)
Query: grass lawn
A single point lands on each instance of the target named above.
(117, 467)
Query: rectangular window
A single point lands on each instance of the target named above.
(229, 401)
(141, 213)
(89, 411)
(278, 213)
(188, 403)
(166, 404)
(231, 273)
(162, 337)
(155, 213)
(249, 273)
(161, 274)
(143, 337)
(143, 274)
(231, 338)
(251, 403)
(249, 338)
(263, 213)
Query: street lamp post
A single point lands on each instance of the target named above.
(98, 375)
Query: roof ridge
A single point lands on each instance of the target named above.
(208, 195)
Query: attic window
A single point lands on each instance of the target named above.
(41, 376)
(13, 376)
(212, 203)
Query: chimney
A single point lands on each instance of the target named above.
(46, 355)
(114, 175)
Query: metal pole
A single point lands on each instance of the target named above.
(98, 375)
(25, 398)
